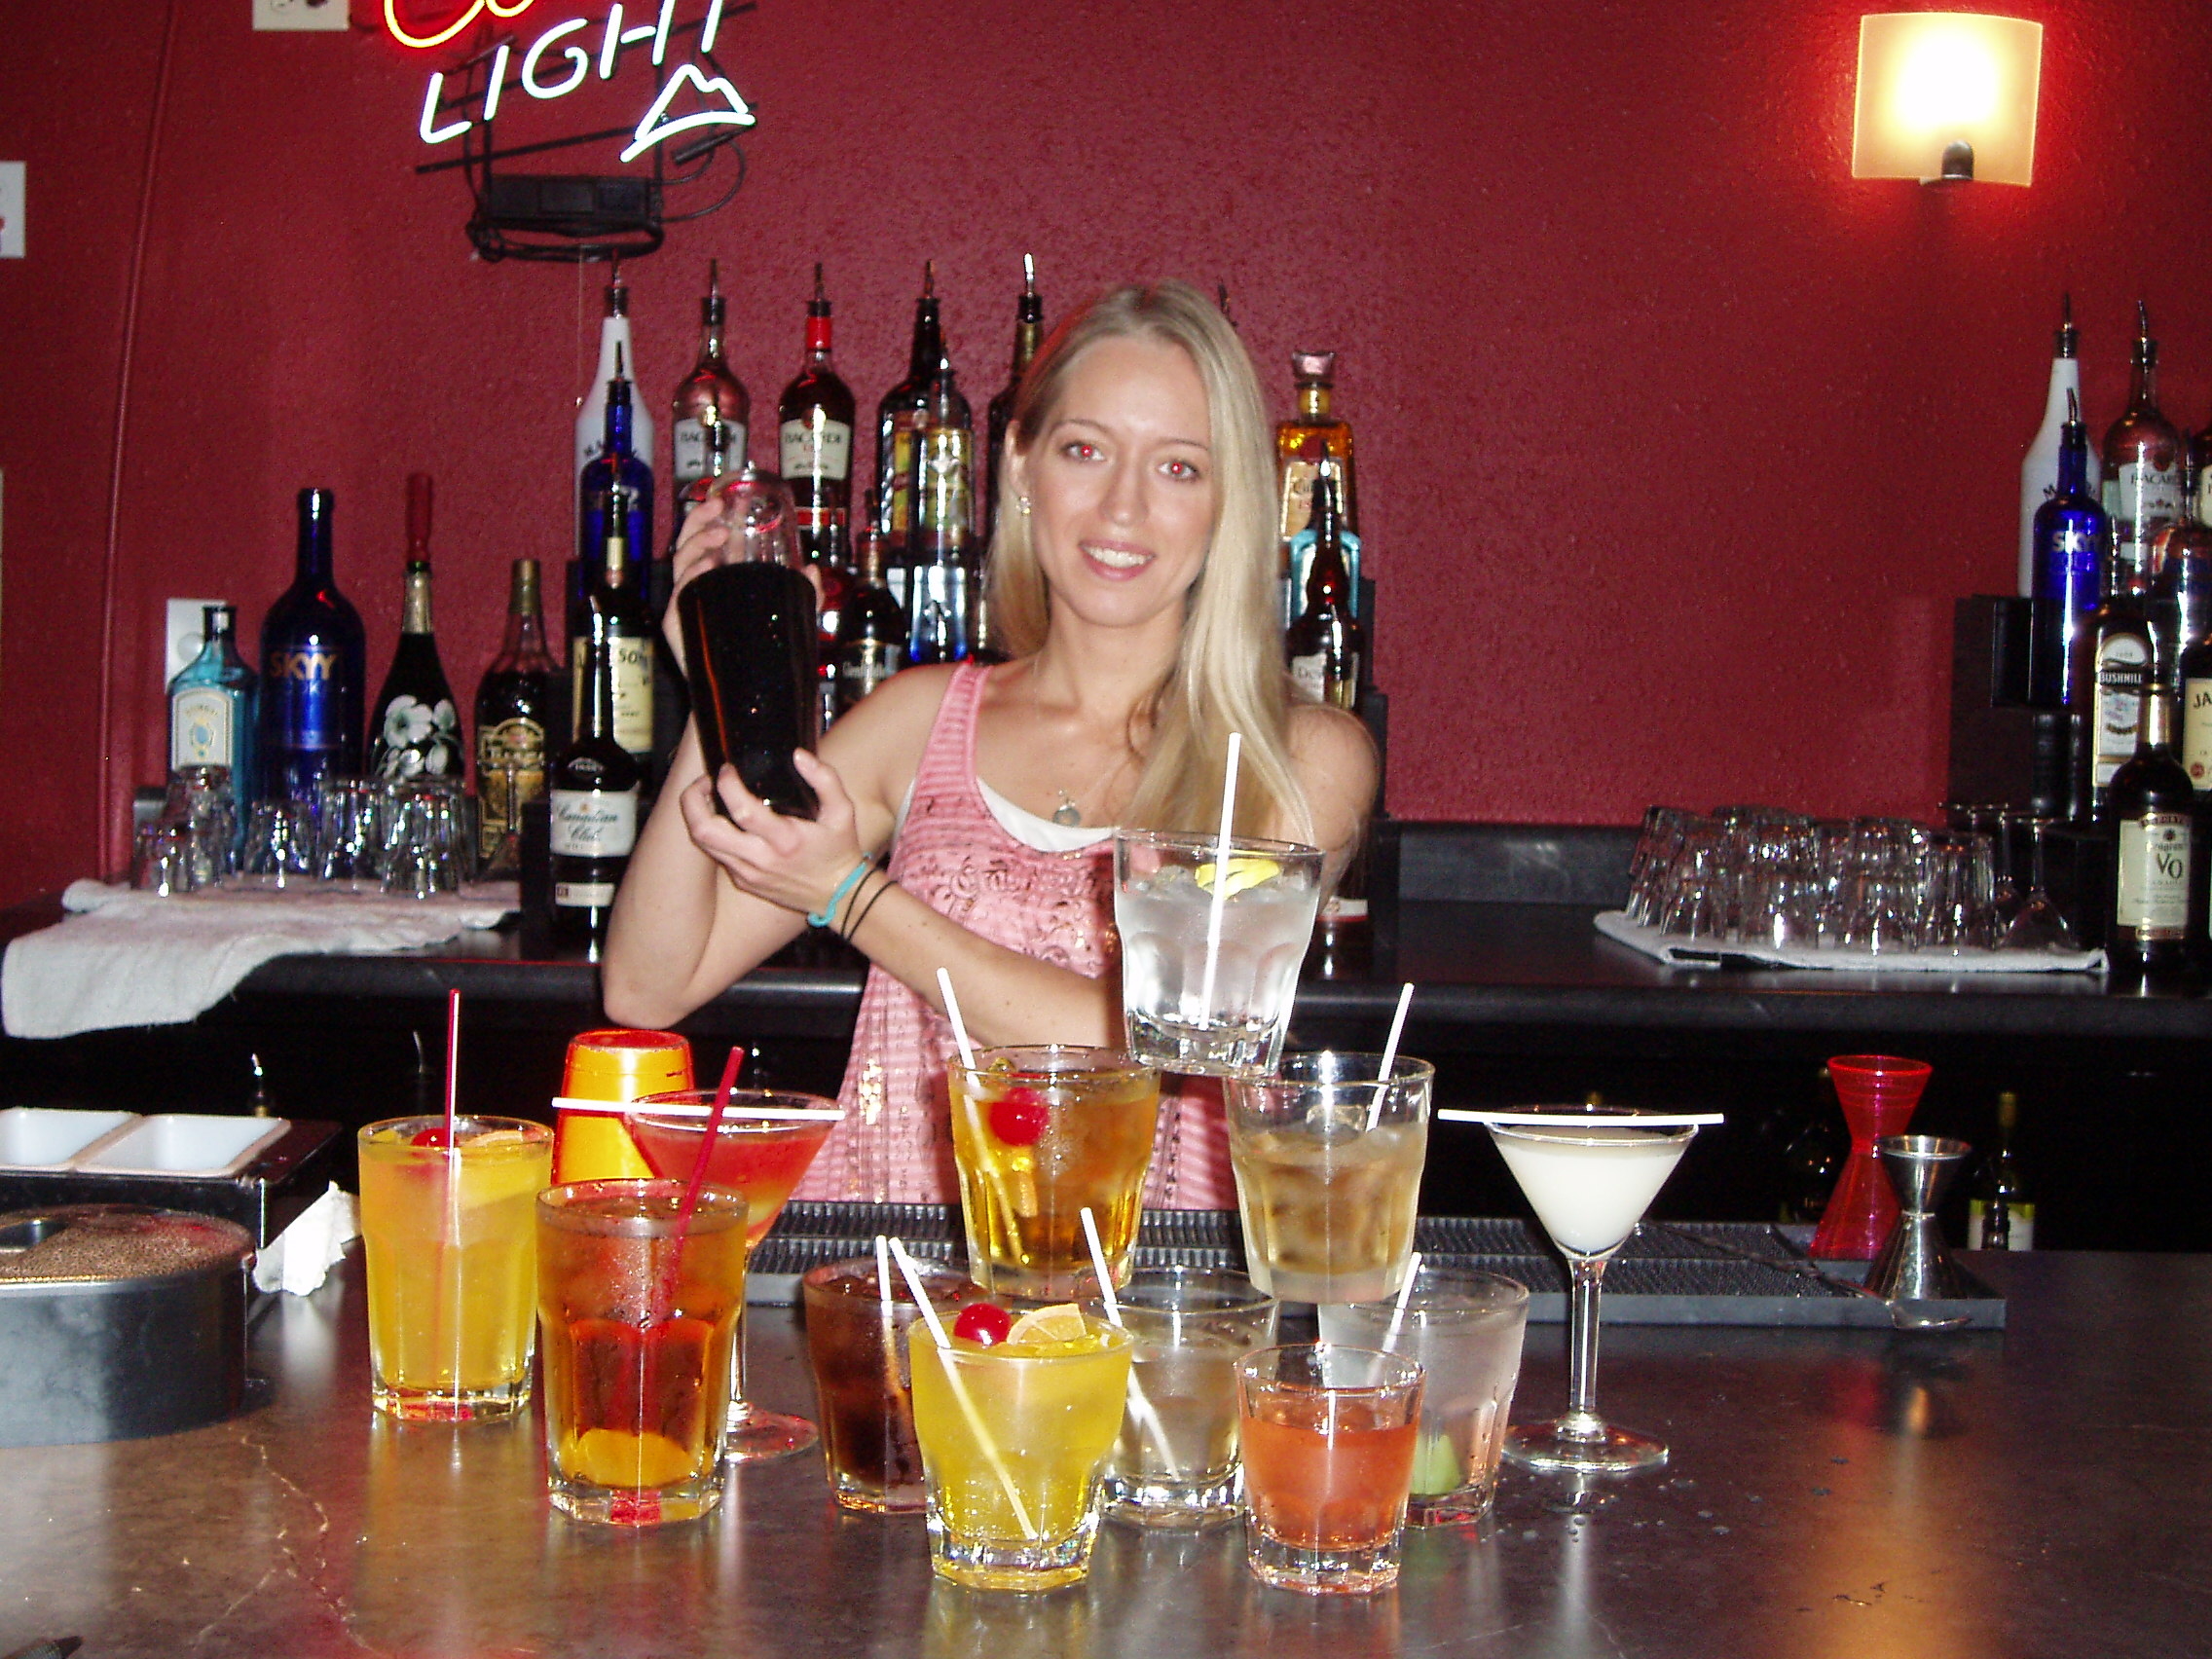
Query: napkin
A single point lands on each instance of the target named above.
(128, 958)
(300, 1258)
(1676, 951)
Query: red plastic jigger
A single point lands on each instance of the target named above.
(1878, 1093)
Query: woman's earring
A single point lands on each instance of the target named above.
(1022, 505)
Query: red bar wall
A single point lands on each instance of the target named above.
(1676, 441)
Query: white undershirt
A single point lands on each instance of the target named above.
(1039, 834)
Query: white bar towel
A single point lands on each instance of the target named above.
(1678, 952)
(137, 959)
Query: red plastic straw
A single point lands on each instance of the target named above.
(667, 1294)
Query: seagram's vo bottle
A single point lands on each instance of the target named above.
(2151, 807)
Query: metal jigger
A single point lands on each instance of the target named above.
(1913, 1266)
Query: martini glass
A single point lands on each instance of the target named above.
(763, 1146)
(1589, 1179)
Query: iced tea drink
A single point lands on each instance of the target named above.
(452, 1252)
(1040, 1134)
(639, 1343)
(1328, 1162)
(857, 1318)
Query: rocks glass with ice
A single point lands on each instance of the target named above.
(1211, 946)
(1328, 1160)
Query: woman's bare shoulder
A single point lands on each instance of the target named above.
(1336, 763)
(877, 743)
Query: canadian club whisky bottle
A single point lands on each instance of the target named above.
(1301, 443)
(897, 418)
(2143, 480)
(815, 434)
(617, 519)
(1325, 644)
(2069, 536)
(414, 729)
(1999, 1214)
(939, 578)
(2112, 666)
(515, 705)
(872, 630)
(311, 671)
(710, 386)
(2039, 467)
(2151, 808)
(212, 708)
(613, 342)
(595, 806)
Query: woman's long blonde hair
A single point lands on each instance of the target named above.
(1228, 673)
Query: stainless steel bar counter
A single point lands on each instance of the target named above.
(2039, 1490)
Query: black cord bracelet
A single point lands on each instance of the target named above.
(854, 926)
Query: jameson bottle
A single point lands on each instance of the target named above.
(897, 417)
(614, 350)
(2143, 480)
(1325, 644)
(311, 671)
(2111, 667)
(595, 806)
(212, 708)
(617, 519)
(872, 631)
(815, 439)
(2000, 1213)
(710, 386)
(2067, 535)
(2151, 809)
(2039, 467)
(414, 727)
(941, 578)
(1301, 443)
(516, 707)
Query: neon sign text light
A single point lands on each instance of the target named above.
(571, 65)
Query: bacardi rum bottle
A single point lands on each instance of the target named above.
(815, 433)
(2143, 476)
(711, 385)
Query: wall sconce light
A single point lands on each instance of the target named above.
(1946, 95)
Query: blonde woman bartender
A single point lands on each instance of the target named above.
(1133, 580)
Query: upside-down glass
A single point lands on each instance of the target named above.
(1329, 1439)
(615, 1066)
(1328, 1162)
(349, 815)
(1039, 1135)
(1176, 1462)
(1464, 1330)
(639, 1312)
(1589, 1181)
(279, 844)
(1210, 959)
(766, 1141)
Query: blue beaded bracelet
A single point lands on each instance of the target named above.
(822, 918)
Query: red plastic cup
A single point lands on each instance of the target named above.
(1878, 1093)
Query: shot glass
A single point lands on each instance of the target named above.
(1211, 947)
(1040, 1134)
(1464, 1330)
(857, 1313)
(1329, 1434)
(639, 1312)
(452, 1254)
(1175, 1464)
(162, 863)
(1328, 1160)
(1014, 1440)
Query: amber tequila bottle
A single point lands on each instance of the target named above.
(1314, 434)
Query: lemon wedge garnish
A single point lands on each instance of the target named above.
(1062, 1322)
(1243, 870)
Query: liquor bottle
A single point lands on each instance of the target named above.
(591, 415)
(2143, 461)
(833, 591)
(212, 708)
(2069, 535)
(939, 578)
(2179, 606)
(594, 804)
(871, 629)
(896, 419)
(815, 430)
(1028, 334)
(2150, 807)
(2111, 665)
(1326, 645)
(1999, 1214)
(414, 727)
(313, 670)
(720, 465)
(2038, 468)
(708, 385)
(617, 519)
(1813, 1159)
(515, 705)
(1314, 434)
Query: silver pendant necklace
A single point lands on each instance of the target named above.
(1067, 813)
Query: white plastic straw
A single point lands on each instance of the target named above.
(1581, 1120)
(959, 1027)
(961, 1397)
(1098, 1263)
(1220, 873)
(1405, 1294)
(1390, 1054)
(1147, 1414)
(655, 1109)
(884, 1314)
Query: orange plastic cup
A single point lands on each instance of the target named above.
(615, 1066)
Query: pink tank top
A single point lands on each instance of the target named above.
(896, 1142)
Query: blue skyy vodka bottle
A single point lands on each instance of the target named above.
(2069, 536)
(312, 668)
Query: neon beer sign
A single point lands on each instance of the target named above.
(566, 54)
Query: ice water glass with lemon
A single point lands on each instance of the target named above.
(452, 1263)
(1206, 986)
(1014, 1436)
